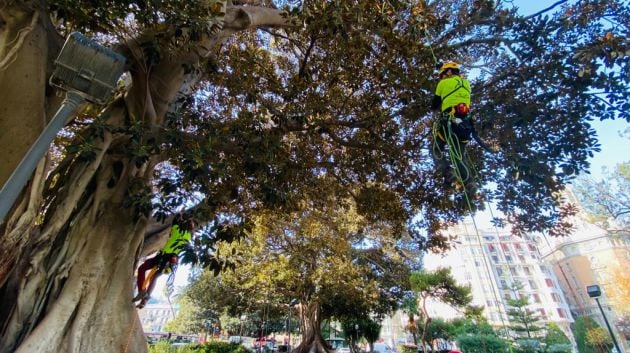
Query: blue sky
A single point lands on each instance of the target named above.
(614, 148)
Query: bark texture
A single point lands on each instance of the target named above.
(69, 247)
(310, 325)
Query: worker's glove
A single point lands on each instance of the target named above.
(458, 121)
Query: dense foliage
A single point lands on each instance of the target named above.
(329, 262)
(237, 109)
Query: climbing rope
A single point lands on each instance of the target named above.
(435, 60)
(457, 156)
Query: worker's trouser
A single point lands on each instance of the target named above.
(161, 263)
(454, 132)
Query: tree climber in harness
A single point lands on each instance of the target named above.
(165, 261)
(454, 126)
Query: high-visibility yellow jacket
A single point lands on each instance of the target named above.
(452, 91)
(176, 240)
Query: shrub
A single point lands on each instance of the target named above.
(219, 347)
(408, 349)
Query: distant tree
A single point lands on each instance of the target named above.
(410, 307)
(439, 285)
(355, 328)
(556, 341)
(590, 337)
(438, 332)
(608, 199)
(191, 319)
(466, 326)
(371, 331)
(481, 343)
(311, 256)
(523, 320)
(599, 338)
(618, 289)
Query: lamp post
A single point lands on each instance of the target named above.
(594, 292)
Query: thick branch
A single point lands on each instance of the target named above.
(557, 3)
(246, 17)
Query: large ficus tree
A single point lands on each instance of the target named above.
(233, 107)
(330, 263)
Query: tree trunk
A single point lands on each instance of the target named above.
(76, 295)
(426, 320)
(70, 289)
(310, 324)
(68, 247)
(26, 50)
(412, 328)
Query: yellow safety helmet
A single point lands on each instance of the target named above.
(448, 65)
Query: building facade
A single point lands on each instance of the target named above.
(155, 315)
(499, 266)
(593, 256)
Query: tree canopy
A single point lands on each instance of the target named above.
(608, 199)
(322, 260)
(441, 286)
(231, 109)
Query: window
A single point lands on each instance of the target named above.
(495, 258)
(505, 247)
(521, 258)
(503, 284)
(489, 303)
(532, 284)
(518, 246)
(507, 296)
(527, 271)
(542, 313)
(508, 258)
(561, 313)
(549, 282)
(500, 271)
(477, 263)
(491, 248)
(555, 297)
(536, 297)
(531, 247)
(513, 271)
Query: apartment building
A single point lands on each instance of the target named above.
(591, 255)
(491, 261)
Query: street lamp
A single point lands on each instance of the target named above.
(594, 292)
(86, 71)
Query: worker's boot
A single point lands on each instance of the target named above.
(140, 296)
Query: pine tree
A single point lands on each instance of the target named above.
(524, 321)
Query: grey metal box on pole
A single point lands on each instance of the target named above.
(84, 69)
